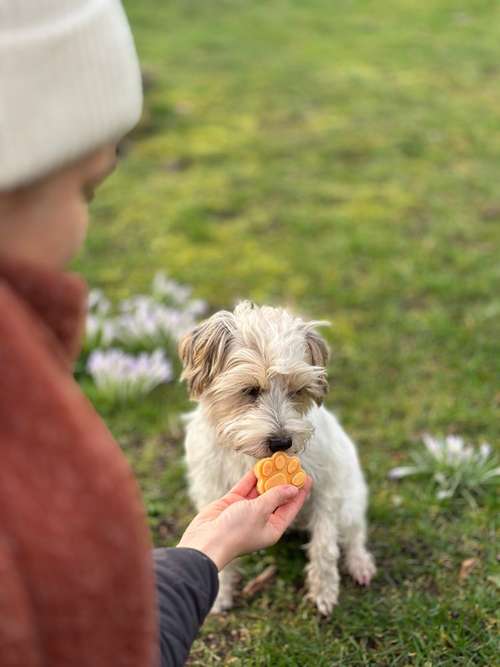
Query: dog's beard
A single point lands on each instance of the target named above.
(247, 428)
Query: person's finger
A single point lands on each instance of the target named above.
(285, 514)
(278, 495)
(253, 494)
(308, 485)
(245, 485)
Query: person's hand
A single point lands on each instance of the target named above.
(242, 521)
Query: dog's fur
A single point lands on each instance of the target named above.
(260, 373)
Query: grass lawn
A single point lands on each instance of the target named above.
(342, 158)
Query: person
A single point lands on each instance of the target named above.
(78, 585)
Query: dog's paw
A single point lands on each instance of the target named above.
(222, 603)
(323, 588)
(324, 601)
(361, 566)
(227, 580)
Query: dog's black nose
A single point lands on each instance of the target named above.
(277, 443)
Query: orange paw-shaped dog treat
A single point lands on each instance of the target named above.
(278, 469)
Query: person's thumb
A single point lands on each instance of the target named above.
(278, 495)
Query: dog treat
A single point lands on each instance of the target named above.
(278, 469)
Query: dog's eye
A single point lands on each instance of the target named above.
(252, 392)
(297, 393)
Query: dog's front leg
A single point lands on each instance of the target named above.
(224, 599)
(322, 570)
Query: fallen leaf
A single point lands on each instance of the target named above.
(260, 581)
(466, 567)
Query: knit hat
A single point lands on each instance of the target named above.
(69, 83)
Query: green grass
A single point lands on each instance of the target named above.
(343, 159)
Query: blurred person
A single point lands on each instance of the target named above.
(78, 585)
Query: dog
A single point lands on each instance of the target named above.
(259, 376)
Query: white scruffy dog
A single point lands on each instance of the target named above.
(260, 378)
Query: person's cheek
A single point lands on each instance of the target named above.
(79, 226)
(72, 224)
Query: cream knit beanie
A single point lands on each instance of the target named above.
(69, 83)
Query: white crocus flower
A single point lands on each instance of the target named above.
(484, 450)
(196, 307)
(108, 332)
(145, 320)
(433, 446)
(164, 287)
(453, 447)
(151, 322)
(402, 471)
(452, 465)
(120, 375)
(92, 326)
(98, 329)
(98, 303)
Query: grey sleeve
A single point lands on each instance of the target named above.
(186, 586)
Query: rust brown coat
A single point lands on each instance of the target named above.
(76, 581)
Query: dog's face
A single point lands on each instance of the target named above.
(257, 372)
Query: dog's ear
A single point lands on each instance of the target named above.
(319, 355)
(318, 349)
(203, 351)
